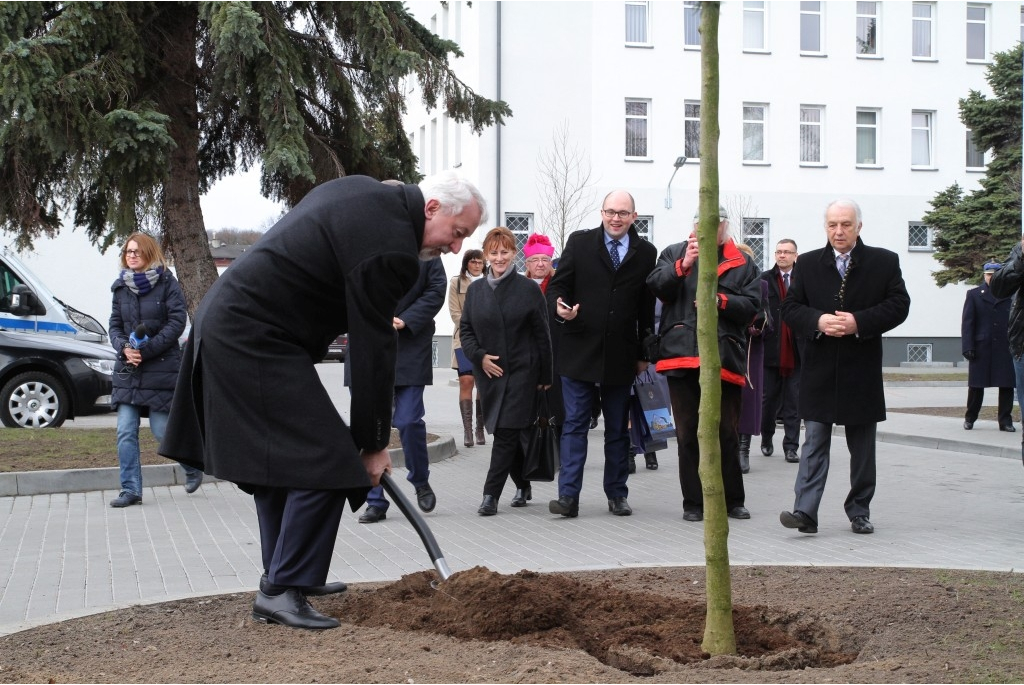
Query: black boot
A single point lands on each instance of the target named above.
(744, 453)
(522, 496)
(480, 439)
(489, 507)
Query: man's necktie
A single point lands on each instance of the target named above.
(841, 261)
(613, 252)
(785, 284)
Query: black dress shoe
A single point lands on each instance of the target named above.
(968, 425)
(652, 461)
(291, 609)
(313, 591)
(767, 448)
(860, 524)
(619, 506)
(125, 499)
(792, 457)
(425, 498)
(521, 497)
(1007, 428)
(566, 506)
(489, 507)
(739, 513)
(193, 481)
(693, 515)
(373, 515)
(799, 520)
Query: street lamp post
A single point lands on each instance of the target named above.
(680, 161)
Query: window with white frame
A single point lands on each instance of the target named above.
(811, 27)
(691, 24)
(691, 130)
(638, 23)
(755, 122)
(755, 232)
(919, 352)
(975, 155)
(867, 28)
(755, 25)
(637, 113)
(521, 225)
(433, 146)
(921, 139)
(920, 237)
(868, 122)
(977, 33)
(812, 134)
(644, 225)
(421, 167)
(923, 31)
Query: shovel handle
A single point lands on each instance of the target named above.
(419, 523)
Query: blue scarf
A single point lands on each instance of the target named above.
(141, 283)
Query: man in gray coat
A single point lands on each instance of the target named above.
(249, 406)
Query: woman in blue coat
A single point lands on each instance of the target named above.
(147, 318)
(983, 337)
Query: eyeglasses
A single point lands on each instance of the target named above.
(611, 213)
(133, 253)
(476, 261)
(785, 252)
(539, 258)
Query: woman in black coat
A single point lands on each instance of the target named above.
(146, 320)
(504, 332)
(986, 346)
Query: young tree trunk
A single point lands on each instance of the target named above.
(719, 635)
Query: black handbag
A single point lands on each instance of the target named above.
(541, 460)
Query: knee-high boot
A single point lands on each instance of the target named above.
(480, 438)
(466, 407)
(744, 453)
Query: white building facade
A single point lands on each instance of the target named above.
(818, 100)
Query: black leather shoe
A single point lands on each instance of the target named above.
(291, 609)
(860, 524)
(1007, 428)
(619, 506)
(425, 498)
(693, 515)
(193, 481)
(767, 448)
(652, 461)
(521, 497)
(489, 507)
(632, 463)
(373, 515)
(968, 425)
(566, 506)
(739, 513)
(125, 499)
(314, 591)
(792, 457)
(799, 520)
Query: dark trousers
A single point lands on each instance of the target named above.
(685, 393)
(506, 460)
(781, 398)
(297, 533)
(814, 463)
(974, 400)
(412, 430)
(578, 398)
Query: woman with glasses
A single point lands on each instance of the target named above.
(147, 318)
(472, 269)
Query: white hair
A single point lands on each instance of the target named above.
(453, 192)
(844, 202)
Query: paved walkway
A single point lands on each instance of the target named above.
(946, 498)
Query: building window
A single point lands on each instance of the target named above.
(920, 236)
(867, 28)
(755, 120)
(810, 27)
(924, 30)
(755, 232)
(691, 130)
(867, 136)
(433, 146)
(637, 23)
(754, 25)
(644, 226)
(521, 225)
(636, 127)
(1022, 23)
(812, 123)
(919, 352)
(921, 139)
(977, 32)
(691, 24)
(975, 155)
(421, 166)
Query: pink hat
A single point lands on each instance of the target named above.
(538, 244)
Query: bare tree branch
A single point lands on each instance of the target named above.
(564, 186)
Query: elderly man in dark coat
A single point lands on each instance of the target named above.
(983, 338)
(843, 298)
(250, 407)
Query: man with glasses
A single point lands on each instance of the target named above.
(781, 360)
(602, 306)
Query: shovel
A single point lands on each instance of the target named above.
(418, 522)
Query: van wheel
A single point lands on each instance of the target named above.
(33, 400)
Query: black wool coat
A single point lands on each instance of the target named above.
(249, 405)
(602, 344)
(983, 330)
(162, 309)
(510, 321)
(772, 341)
(841, 378)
